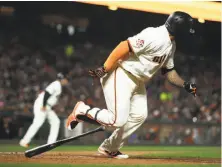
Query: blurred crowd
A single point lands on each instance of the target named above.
(167, 102)
(30, 61)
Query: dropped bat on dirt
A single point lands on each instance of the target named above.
(46, 147)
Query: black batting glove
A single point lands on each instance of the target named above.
(99, 72)
(191, 88)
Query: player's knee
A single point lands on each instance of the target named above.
(140, 118)
(120, 122)
(144, 115)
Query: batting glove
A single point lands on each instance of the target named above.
(190, 87)
(99, 72)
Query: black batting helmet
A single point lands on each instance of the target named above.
(179, 23)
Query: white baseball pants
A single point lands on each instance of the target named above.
(39, 119)
(126, 109)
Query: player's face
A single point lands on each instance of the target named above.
(64, 82)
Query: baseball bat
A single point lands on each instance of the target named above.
(46, 147)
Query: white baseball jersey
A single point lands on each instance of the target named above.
(152, 49)
(55, 89)
(126, 96)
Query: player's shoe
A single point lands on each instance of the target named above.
(23, 144)
(72, 121)
(116, 155)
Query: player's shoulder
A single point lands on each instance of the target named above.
(157, 36)
(154, 31)
(148, 31)
(55, 83)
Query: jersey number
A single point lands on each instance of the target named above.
(159, 60)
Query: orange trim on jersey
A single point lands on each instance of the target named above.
(115, 97)
(115, 101)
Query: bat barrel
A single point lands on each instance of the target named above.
(47, 147)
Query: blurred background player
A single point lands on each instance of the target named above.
(43, 109)
(123, 76)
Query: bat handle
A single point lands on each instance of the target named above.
(101, 128)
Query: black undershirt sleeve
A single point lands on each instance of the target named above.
(45, 98)
(165, 70)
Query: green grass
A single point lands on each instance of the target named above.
(67, 165)
(159, 151)
(155, 152)
(13, 148)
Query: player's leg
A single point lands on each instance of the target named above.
(138, 114)
(54, 122)
(39, 118)
(118, 88)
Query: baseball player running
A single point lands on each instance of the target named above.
(123, 77)
(43, 109)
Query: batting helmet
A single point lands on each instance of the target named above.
(179, 23)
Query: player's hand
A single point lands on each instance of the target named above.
(99, 72)
(190, 87)
(43, 108)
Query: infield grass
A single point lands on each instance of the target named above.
(155, 151)
(147, 152)
(80, 165)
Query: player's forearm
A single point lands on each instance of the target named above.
(118, 53)
(174, 78)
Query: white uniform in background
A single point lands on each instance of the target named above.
(54, 89)
(124, 88)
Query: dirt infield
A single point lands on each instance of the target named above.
(89, 157)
